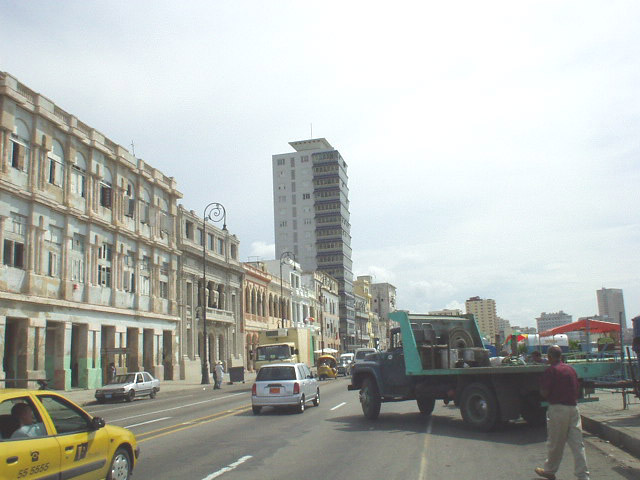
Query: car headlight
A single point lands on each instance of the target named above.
(98, 392)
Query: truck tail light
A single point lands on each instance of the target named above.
(296, 388)
(254, 390)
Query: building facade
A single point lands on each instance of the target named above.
(383, 297)
(311, 216)
(611, 306)
(326, 309)
(89, 263)
(485, 312)
(211, 253)
(547, 321)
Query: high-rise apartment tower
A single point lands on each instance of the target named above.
(611, 305)
(311, 216)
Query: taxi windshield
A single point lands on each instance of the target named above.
(273, 352)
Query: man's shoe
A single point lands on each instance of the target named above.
(541, 473)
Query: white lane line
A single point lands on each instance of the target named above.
(89, 408)
(228, 468)
(178, 407)
(150, 421)
(337, 406)
(423, 461)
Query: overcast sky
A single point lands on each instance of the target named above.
(493, 147)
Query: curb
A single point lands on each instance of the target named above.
(617, 437)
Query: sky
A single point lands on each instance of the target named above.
(493, 148)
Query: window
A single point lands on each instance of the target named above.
(77, 258)
(53, 264)
(164, 289)
(129, 272)
(56, 164)
(104, 276)
(145, 280)
(129, 201)
(200, 237)
(189, 294)
(304, 159)
(145, 207)
(220, 248)
(164, 269)
(105, 194)
(188, 230)
(19, 149)
(14, 254)
(65, 417)
(78, 172)
(306, 196)
(281, 161)
(210, 241)
(19, 223)
(104, 265)
(234, 252)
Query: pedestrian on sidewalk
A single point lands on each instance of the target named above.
(219, 369)
(559, 386)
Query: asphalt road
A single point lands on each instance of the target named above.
(192, 435)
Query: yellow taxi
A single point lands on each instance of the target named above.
(43, 435)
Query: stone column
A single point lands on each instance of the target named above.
(62, 357)
(35, 349)
(3, 220)
(3, 327)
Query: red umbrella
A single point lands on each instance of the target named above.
(519, 338)
(594, 326)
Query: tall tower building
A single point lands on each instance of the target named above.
(485, 312)
(311, 216)
(611, 305)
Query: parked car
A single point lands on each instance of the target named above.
(129, 386)
(284, 385)
(59, 438)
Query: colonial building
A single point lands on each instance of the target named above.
(326, 308)
(89, 262)
(210, 253)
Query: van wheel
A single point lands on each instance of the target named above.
(120, 465)
(301, 405)
(370, 399)
(316, 401)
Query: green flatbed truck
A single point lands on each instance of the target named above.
(434, 357)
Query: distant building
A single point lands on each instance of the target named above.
(384, 302)
(547, 321)
(611, 306)
(448, 312)
(311, 216)
(485, 313)
(504, 329)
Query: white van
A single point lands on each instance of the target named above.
(361, 353)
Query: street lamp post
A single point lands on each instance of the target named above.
(216, 213)
(321, 299)
(286, 256)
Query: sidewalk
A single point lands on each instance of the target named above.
(85, 397)
(605, 418)
(608, 419)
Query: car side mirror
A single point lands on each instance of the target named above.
(97, 423)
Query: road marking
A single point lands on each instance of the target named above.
(337, 406)
(145, 423)
(161, 432)
(423, 461)
(228, 468)
(178, 407)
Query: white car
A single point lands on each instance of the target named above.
(129, 386)
(284, 385)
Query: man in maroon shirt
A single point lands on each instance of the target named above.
(559, 386)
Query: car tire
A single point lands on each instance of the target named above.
(256, 410)
(323, 377)
(316, 401)
(153, 393)
(301, 405)
(120, 468)
(130, 396)
(370, 399)
(479, 407)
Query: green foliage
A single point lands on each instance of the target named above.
(574, 346)
(522, 348)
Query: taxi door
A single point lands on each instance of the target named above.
(83, 450)
(29, 458)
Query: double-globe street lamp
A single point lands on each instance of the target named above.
(216, 213)
(285, 257)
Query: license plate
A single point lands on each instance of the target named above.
(108, 395)
(274, 390)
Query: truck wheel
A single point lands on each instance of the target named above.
(479, 406)
(532, 412)
(370, 399)
(426, 405)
